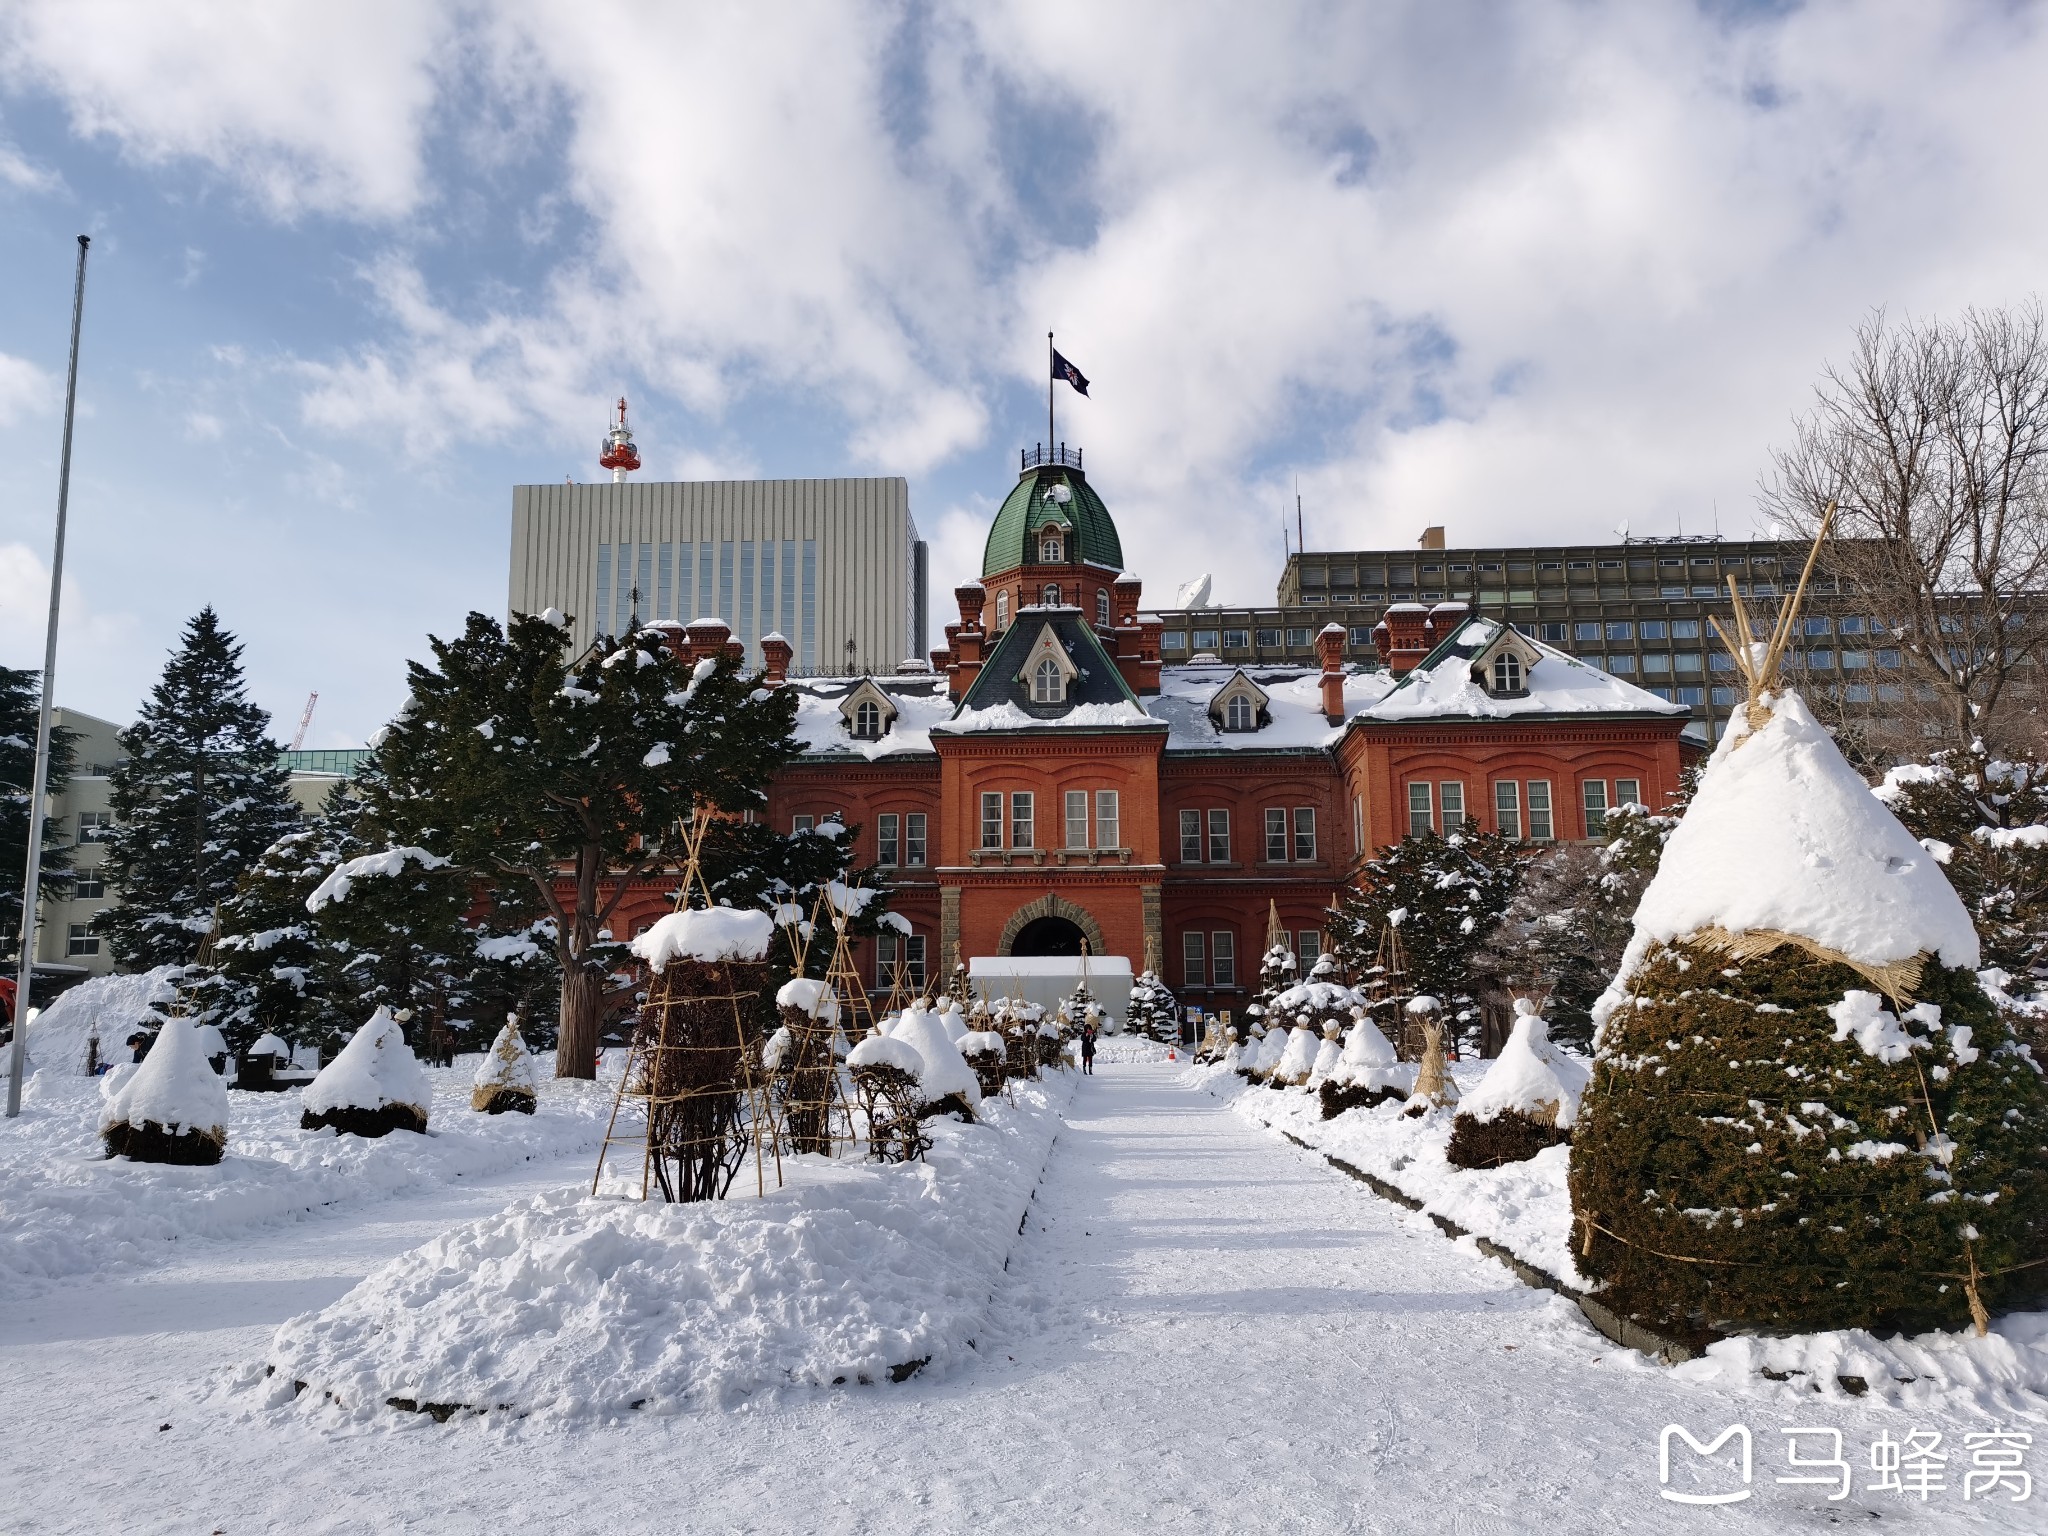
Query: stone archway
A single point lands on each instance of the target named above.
(1051, 906)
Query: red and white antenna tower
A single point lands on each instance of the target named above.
(618, 453)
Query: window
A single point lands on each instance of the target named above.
(1358, 824)
(1305, 834)
(1174, 640)
(1685, 629)
(1194, 970)
(1555, 634)
(992, 820)
(1311, 947)
(1421, 817)
(1821, 624)
(1102, 606)
(1002, 610)
(1724, 697)
(82, 940)
(1823, 661)
(1720, 661)
(1620, 629)
(1237, 639)
(1539, 811)
(1205, 639)
(1047, 686)
(1687, 661)
(1360, 635)
(1585, 631)
(1021, 835)
(802, 823)
(1238, 714)
(1887, 657)
(1223, 957)
(93, 827)
(890, 948)
(1297, 637)
(1855, 660)
(1628, 791)
(1692, 696)
(1077, 818)
(867, 720)
(1219, 837)
(1650, 629)
(1051, 595)
(1507, 807)
(1507, 673)
(1109, 830)
(1622, 666)
(888, 840)
(1268, 636)
(1451, 799)
(1049, 549)
(1656, 663)
(1851, 624)
(913, 839)
(89, 886)
(1191, 837)
(1594, 793)
(1276, 834)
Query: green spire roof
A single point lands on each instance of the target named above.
(1013, 537)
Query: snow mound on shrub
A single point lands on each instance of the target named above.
(507, 1065)
(707, 934)
(881, 1051)
(175, 1087)
(1529, 1073)
(813, 997)
(1298, 1058)
(567, 1307)
(1783, 835)
(945, 1069)
(375, 1068)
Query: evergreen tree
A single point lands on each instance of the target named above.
(1445, 895)
(199, 798)
(1278, 971)
(20, 703)
(269, 955)
(1154, 1012)
(571, 776)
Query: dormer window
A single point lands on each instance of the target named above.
(1048, 684)
(1051, 595)
(867, 720)
(1240, 714)
(1238, 704)
(868, 712)
(1507, 673)
(1049, 548)
(1102, 607)
(1002, 610)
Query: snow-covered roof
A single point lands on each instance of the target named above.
(1442, 687)
(921, 703)
(1294, 707)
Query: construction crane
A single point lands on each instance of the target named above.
(299, 736)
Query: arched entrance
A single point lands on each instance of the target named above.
(1069, 915)
(1048, 936)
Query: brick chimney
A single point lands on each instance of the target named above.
(1137, 640)
(711, 637)
(967, 643)
(1330, 652)
(1402, 636)
(1444, 619)
(775, 657)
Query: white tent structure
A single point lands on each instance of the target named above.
(1048, 979)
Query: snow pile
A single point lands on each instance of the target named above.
(945, 1072)
(506, 1078)
(1826, 861)
(271, 1045)
(175, 1090)
(1370, 1062)
(1298, 1057)
(565, 1307)
(375, 1071)
(1531, 1075)
(112, 1007)
(1270, 1047)
(813, 998)
(706, 934)
(882, 1051)
(1328, 1055)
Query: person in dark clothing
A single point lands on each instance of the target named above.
(1088, 1051)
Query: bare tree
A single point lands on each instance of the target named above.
(1932, 440)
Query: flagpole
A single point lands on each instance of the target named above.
(31, 883)
(1048, 391)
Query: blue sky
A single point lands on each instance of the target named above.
(1529, 272)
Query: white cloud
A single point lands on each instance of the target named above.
(93, 644)
(24, 388)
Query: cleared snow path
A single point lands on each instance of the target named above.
(1207, 1329)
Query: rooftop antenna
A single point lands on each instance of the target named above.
(1300, 539)
(617, 452)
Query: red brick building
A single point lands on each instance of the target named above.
(1048, 780)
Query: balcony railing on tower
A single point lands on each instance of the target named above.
(1038, 456)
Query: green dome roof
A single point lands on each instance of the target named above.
(1013, 537)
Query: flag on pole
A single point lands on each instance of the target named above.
(1062, 369)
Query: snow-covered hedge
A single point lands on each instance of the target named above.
(171, 1109)
(375, 1086)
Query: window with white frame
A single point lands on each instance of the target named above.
(1304, 834)
(1628, 792)
(1191, 837)
(1540, 829)
(1421, 810)
(867, 720)
(802, 823)
(90, 885)
(1102, 606)
(1507, 807)
(1049, 548)
(1021, 813)
(81, 940)
(1077, 818)
(1219, 836)
(1051, 595)
(1109, 832)
(1002, 610)
(1048, 686)
(1593, 794)
(1239, 714)
(888, 838)
(906, 949)
(1276, 834)
(93, 827)
(1358, 824)
(1507, 673)
(1451, 800)
(913, 839)
(1194, 970)
(1311, 948)
(992, 820)
(1223, 957)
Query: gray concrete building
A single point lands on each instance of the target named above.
(1638, 608)
(834, 566)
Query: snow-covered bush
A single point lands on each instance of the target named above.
(1800, 1090)
(948, 1082)
(171, 1109)
(1367, 1073)
(507, 1080)
(1328, 1054)
(802, 1063)
(1152, 1011)
(1526, 1102)
(984, 1051)
(1433, 1084)
(1272, 1045)
(1297, 1058)
(886, 1073)
(373, 1087)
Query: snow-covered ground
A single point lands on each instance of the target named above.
(1201, 1327)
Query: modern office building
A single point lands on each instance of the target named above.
(1638, 609)
(835, 566)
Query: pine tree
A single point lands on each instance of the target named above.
(200, 796)
(1153, 1010)
(571, 776)
(1446, 894)
(20, 704)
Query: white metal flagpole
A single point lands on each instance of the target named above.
(32, 883)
